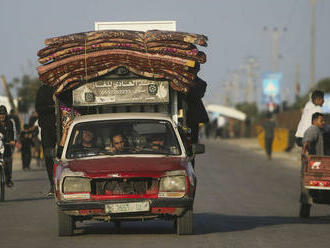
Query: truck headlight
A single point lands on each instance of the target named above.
(76, 184)
(173, 184)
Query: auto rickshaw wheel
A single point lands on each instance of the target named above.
(305, 210)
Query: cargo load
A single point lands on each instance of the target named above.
(71, 60)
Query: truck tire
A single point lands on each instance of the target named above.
(305, 210)
(184, 223)
(117, 224)
(65, 224)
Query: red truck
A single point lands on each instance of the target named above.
(134, 99)
(152, 177)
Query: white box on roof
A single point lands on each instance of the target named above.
(137, 26)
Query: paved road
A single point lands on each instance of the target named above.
(242, 200)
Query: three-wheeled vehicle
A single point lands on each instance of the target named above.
(315, 181)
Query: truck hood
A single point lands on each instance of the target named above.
(130, 166)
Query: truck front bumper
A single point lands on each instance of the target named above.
(157, 206)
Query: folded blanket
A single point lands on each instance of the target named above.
(144, 37)
(70, 60)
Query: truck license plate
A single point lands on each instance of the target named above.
(127, 207)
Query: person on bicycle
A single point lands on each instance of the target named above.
(7, 129)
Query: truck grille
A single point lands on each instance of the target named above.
(125, 186)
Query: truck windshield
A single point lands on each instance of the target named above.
(118, 137)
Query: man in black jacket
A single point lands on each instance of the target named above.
(17, 124)
(7, 129)
(45, 107)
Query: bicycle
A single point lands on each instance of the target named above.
(2, 169)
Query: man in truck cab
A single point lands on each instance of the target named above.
(88, 139)
(158, 143)
(117, 143)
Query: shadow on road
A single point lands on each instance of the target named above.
(127, 228)
(28, 199)
(205, 223)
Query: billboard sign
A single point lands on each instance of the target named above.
(271, 88)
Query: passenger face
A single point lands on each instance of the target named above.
(319, 101)
(87, 136)
(118, 142)
(156, 144)
(2, 118)
(319, 122)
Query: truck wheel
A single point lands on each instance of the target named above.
(117, 225)
(184, 223)
(65, 224)
(305, 210)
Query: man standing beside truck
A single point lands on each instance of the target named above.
(45, 107)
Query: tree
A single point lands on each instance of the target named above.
(250, 109)
(323, 84)
(26, 89)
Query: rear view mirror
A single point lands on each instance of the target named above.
(198, 148)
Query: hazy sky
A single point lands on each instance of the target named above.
(234, 29)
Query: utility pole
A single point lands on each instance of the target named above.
(227, 90)
(312, 44)
(297, 81)
(236, 88)
(275, 35)
(275, 49)
(251, 66)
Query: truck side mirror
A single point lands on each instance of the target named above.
(198, 148)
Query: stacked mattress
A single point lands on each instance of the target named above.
(70, 60)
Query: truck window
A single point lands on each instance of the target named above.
(123, 137)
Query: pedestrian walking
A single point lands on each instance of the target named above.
(45, 107)
(26, 140)
(36, 150)
(269, 128)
